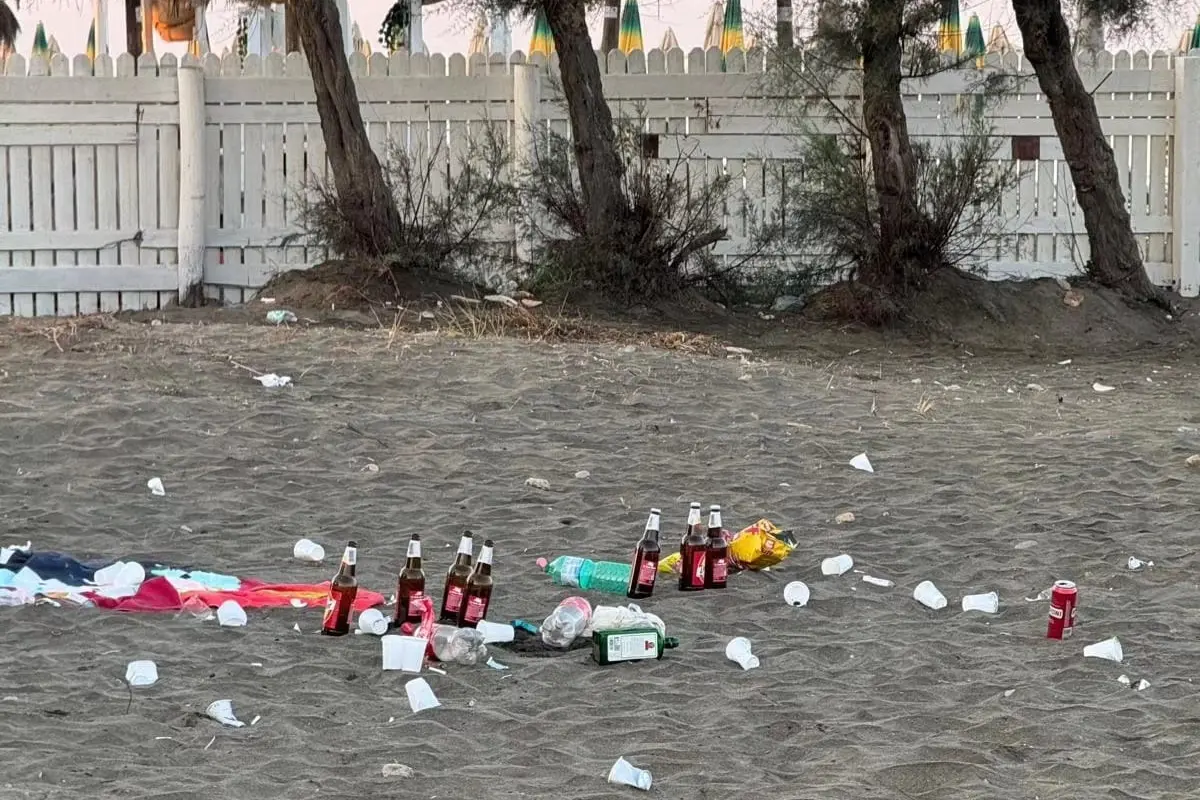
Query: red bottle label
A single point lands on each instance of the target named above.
(697, 571)
(719, 570)
(646, 573)
(414, 605)
(330, 608)
(454, 598)
(476, 608)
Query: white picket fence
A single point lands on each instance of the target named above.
(97, 161)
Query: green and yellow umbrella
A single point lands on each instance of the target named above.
(41, 47)
(973, 44)
(91, 43)
(1196, 35)
(731, 27)
(950, 29)
(631, 28)
(543, 39)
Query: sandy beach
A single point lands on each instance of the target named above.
(992, 473)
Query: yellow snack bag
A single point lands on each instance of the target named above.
(670, 564)
(761, 545)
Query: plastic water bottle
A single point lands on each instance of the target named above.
(567, 622)
(458, 645)
(583, 573)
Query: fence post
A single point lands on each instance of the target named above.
(191, 181)
(527, 98)
(1185, 175)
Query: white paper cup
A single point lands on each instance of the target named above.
(1109, 649)
(796, 593)
(373, 621)
(627, 774)
(738, 651)
(928, 595)
(141, 673)
(222, 712)
(838, 565)
(308, 550)
(231, 615)
(861, 462)
(405, 653)
(420, 696)
(987, 603)
(495, 631)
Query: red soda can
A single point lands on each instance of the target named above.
(1064, 599)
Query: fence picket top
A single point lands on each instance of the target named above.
(358, 64)
(147, 66)
(377, 65)
(273, 65)
(295, 65)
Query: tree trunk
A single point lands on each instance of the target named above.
(362, 192)
(596, 156)
(892, 161)
(1116, 261)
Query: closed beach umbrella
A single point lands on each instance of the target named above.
(998, 41)
(631, 28)
(478, 45)
(973, 44)
(669, 42)
(712, 31)
(950, 29)
(360, 43)
(543, 39)
(1196, 35)
(41, 47)
(9, 28)
(731, 27)
(91, 43)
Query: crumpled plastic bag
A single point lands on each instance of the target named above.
(615, 618)
(754, 547)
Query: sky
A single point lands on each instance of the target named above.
(446, 31)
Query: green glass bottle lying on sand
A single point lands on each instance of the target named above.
(630, 644)
(597, 576)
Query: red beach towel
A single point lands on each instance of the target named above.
(157, 594)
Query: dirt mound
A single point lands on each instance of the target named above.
(360, 285)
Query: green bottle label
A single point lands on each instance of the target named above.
(633, 644)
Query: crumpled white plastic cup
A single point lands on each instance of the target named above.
(988, 603)
(495, 631)
(373, 621)
(626, 774)
(308, 550)
(796, 593)
(738, 651)
(838, 565)
(929, 595)
(141, 673)
(231, 615)
(222, 712)
(1109, 649)
(420, 695)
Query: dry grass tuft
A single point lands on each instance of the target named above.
(62, 333)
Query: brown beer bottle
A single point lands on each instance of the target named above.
(456, 580)
(410, 586)
(478, 594)
(342, 591)
(716, 561)
(645, 559)
(692, 554)
(693, 522)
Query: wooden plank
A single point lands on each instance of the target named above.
(274, 189)
(231, 194)
(387, 114)
(148, 195)
(252, 197)
(1157, 247)
(415, 89)
(41, 181)
(107, 216)
(46, 281)
(66, 135)
(63, 158)
(85, 218)
(118, 90)
(294, 144)
(85, 112)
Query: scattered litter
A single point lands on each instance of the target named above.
(370, 468)
(738, 351)
(254, 721)
(155, 485)
(1064, 362)
(222, 712)
(231, 614)
(1026, 544)
(929, 595)
(530, 302)
(738, 651)
(538, 483)
(398, 771)
(273, 381)
(583, 473)
(1035, 387)
(1109, 649)
(308, 550)
(298, 603)
(141, 673)
(501, 299)
(470, 301)
(871, 579)
(1124, 680)
(1102, 388)
(988, 603)
(1009, 692)
(626, 774)
(1044, 594)
(796, 593)
(844, 517)
(8, 552)
(435, 669)
(420, 696)
(1072, 299)
(494, 664)
(405, 653)
(1137, 563)
(861, 462)
(198, 608)
(1193, 461)
(1142, 684)
(495, 631)
(373, 621)
(278, 316)
(296, 628)
(427, 315)
(837, 565)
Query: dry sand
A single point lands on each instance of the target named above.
(862, 694)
